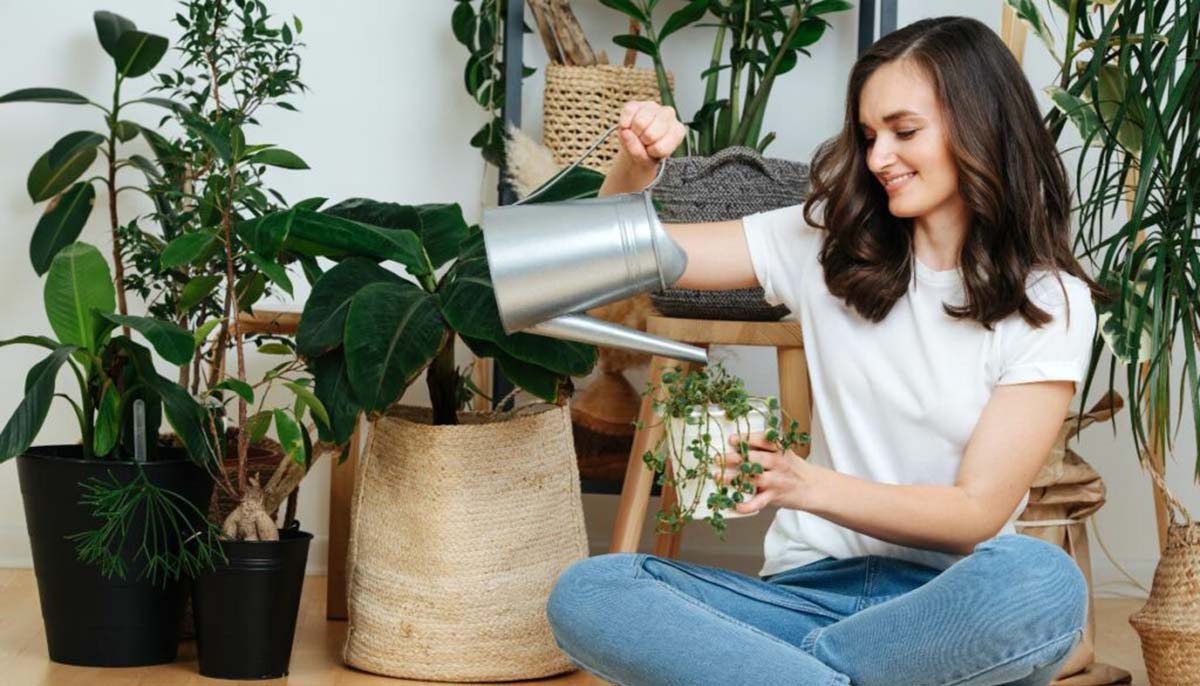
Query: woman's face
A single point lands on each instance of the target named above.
(906, 136)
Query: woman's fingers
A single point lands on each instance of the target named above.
(655, 129)
(757, 441)
(633, 146)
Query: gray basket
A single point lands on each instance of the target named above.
(733, 183)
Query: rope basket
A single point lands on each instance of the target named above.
(580, 103)
(1169, 623)
(731, 184)
(458, 534)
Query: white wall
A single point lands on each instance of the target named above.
(388, 117)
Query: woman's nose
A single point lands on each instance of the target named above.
(879, 156)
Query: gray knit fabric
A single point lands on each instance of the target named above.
(733, 183)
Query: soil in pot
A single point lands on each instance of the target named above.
(91, 619)
(245, 610)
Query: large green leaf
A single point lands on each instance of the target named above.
(173, 343)
(468, 304)
(26, 421)
(58, 95)
(577, 183)
(61, 226)
(45, 181)
(266, 234)
(440, 227)
(109, 29)
(72, 143)
(332, 387)
(108, 420)
(318, 233)
(393, 331)
(185, 249)
(137, 52)
(323, 321)
(78, 282)
(278, 157)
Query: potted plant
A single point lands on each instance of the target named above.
(1122, 88)
(116, 521)
(720, 172)
(194, 267)
(704, 410)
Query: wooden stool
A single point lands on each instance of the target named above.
(794, 397)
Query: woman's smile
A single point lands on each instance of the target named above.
(895, 184)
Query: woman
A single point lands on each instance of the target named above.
(946, 324)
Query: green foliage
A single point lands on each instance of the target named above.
(692, 399)
(765, 39)
(1128, 85)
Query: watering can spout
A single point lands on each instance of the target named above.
(551, 262)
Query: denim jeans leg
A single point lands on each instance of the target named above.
(639, 620)
(1006, 614)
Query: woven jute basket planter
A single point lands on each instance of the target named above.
(733, 183)
(1169, 623)
(580, 103)
(457, 536)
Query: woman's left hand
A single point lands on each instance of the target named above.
(787, 479)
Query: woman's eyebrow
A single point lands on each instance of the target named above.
(898, 114)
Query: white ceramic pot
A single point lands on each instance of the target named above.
(681, 435)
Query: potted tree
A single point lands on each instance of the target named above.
(704, 410)
(207, 184)
(367, 333)
(1122, 88)
(115, 521)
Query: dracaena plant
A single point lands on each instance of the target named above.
(764, 38)
(1128, 84)
(367, 332)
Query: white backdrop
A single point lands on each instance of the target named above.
(387, 117)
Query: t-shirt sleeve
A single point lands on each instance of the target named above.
(1055, 351)
(779, 241)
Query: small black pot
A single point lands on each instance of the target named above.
(245, 610)
(92, 620)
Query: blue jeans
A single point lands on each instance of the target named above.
(1008, 614)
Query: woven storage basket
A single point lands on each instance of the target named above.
(1169, 623)
(580, 103)
(457, 536)
(731, 184)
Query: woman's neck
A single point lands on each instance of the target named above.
(938, 236)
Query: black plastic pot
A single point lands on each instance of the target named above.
(92, 620)
(245, 610)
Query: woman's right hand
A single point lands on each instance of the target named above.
(649, 132)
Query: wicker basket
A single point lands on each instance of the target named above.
(1169, 623)
(733, 183)
(580, 103)
(458, 534)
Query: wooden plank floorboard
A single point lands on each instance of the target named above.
(316, 655)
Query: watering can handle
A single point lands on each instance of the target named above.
(662, 165)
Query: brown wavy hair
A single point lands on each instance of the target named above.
(1009, 175)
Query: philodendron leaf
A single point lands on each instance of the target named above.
(265, 235)
(72, 143)
(78, 282)
(322, 324)
(440, 227)
(109, 28)
(393, 331)
(544, 384)
(319, 233)
(26, 421)
(332, 385)
(57, 95)
(174, 343)
(60, 226)
(45, 181)
(137, 52)
(288, 432)
(108, 420)
(278, 157)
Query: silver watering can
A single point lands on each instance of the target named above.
(550, 262)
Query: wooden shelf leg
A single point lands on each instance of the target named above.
(341, 490)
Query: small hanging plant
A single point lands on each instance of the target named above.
(703, 410)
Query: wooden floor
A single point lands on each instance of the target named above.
(316, 655)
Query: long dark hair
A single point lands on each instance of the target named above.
(1009, 175)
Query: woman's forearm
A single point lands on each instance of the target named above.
(940, 518)
(626, 176)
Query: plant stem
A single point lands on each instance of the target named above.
(442, 381)
(768, 79)
(118, 265)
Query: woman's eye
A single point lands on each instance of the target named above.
(905, 135)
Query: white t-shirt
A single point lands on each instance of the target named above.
(895, 402)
